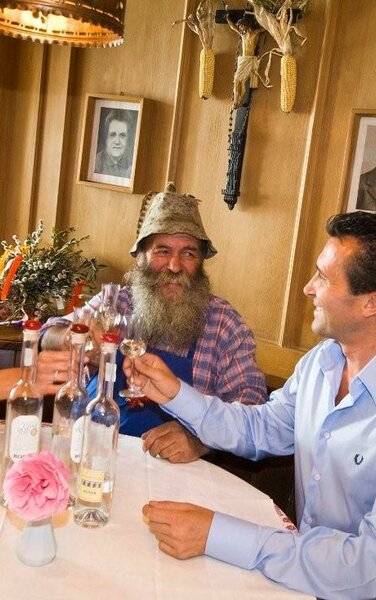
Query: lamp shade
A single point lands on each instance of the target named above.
(84, 23)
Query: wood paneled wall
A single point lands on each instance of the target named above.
(294, 168)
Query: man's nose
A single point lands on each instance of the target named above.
(309, 288)
(175, 264)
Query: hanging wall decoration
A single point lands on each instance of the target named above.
(113, 133)
(276, 17)
(280, 26)
(245, 81)
(247, 61)
(203, 25)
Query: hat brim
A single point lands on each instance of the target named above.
(210, 250)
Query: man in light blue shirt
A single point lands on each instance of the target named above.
(325, 414)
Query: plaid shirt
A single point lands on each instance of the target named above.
(224, 361)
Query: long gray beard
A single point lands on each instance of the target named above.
(167, 322)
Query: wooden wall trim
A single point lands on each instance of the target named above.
(181, 85)
(276, 360)
(307, 196)
(50, 142)
(24, 70)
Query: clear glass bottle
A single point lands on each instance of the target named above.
(97, 469)
(24, 404)
(71, 401)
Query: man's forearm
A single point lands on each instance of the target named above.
(8, 377)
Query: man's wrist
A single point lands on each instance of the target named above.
(177, 386)
(173, 392)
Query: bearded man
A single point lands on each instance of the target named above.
(200, 336)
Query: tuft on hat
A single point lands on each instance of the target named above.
(169, 212)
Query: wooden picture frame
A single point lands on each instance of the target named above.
(360, 185)
(109, 155)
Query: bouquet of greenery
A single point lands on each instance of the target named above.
(42, 281)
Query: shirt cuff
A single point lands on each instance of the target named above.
(235, 541)
(188, 404)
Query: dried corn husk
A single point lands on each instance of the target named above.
(203, 24)
(273, 6)
(280, 28)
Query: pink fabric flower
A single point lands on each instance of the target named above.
(36, 487)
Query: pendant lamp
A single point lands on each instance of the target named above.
(85, 23)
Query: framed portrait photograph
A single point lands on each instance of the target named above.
(110, 141)
(361, 178)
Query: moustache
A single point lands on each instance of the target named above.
(166, 277)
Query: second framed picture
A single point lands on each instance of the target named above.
(360, 191)
(110, 141)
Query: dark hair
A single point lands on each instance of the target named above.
(361, 266)
(141, 246)
(124, 116)
(116, 114)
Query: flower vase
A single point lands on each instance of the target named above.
(37, 544)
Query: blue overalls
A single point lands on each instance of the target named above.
(135, 421)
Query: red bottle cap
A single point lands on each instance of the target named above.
(79, 328)
(111, 338)
(32, 324)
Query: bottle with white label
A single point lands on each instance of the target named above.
(71, 401)
(97, 469)
(24, 404)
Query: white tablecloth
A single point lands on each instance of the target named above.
(121, 561)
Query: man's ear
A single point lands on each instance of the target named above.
(370, 305)
(140, 258)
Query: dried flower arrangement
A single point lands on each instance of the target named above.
(40, 281)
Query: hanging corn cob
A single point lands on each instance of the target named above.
(203, 25)
(280, 28)
(288, 82)
(206, 73)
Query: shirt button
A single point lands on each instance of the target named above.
(308, 520)
(326, 435)
(317, 477)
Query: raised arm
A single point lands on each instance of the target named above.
(8, 377)
(52, 372)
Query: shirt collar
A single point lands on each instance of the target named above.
(367, 377)
(332, 356)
